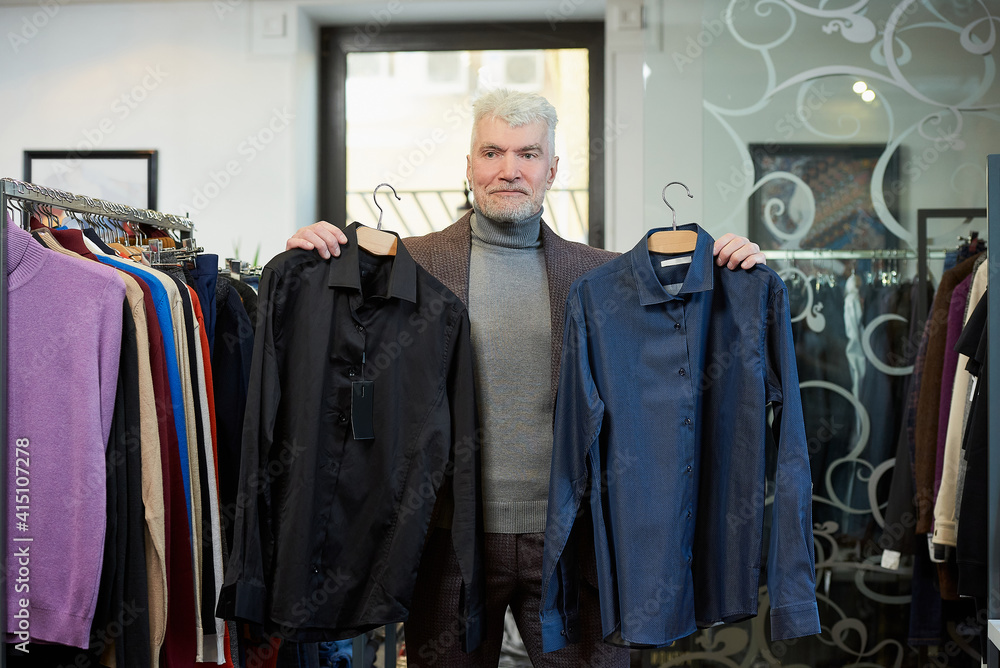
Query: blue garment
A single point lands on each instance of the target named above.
(950, 260)
(662, 412)
(163, 313)
(336, 654)
(206, 275)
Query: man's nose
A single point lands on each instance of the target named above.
(509, 169)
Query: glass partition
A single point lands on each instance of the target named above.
(826, 128)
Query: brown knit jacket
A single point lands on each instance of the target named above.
(445, 255)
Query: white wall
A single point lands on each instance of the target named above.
(177, 77)
(232, 112)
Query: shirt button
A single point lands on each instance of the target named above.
(342, 419)
(361, 328)
(682, 372)
(677, 325)
(353, 371)
(687, 421)
(689, 514)
(689, 468)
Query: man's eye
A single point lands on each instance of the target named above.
(490, 154)
(530, 156)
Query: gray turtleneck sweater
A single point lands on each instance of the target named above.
(511, 340)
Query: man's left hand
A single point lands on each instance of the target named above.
(733, 251)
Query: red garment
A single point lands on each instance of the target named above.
(209, 387)
(72, 240)
(178, 646)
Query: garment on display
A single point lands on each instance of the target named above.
(330, 332)
(684, 424)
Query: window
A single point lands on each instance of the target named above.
(399, 110)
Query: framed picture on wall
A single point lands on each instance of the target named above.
(125, 177)
(820, 196)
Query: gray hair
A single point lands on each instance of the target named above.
(515, 109)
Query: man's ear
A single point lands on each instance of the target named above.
(553, 168)
(468, 169)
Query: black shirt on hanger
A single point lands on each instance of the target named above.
(973, 522)
(249, 298)
(330, 526)
(231, 378)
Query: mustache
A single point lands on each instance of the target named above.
(497, 189)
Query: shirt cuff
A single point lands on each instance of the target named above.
(890, 559)
(946, 533)
(938, 553)
(558, 632)
(242, 601)
(794, 621)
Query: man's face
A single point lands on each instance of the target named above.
(510, 169)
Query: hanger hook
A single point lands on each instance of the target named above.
(375, 192)
(663, 194)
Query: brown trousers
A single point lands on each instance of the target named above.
(513, 564)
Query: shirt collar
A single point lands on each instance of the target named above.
(345, 272)
(699, 277)
(25, 256)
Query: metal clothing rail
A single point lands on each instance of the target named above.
(832, 254)
(922, 254)
(30, 192)
(81, 204)
(923, 215)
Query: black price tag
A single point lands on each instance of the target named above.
(362, 409)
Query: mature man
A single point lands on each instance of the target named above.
(514, 274)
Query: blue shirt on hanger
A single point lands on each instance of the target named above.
(669, 365)
(162, 301)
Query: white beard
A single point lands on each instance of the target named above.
(508, 212)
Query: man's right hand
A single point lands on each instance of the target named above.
(323, 237)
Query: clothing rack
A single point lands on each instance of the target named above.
(30, 192)
(835, 254)
(923, 215)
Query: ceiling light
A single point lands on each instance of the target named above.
(860, 87)
(868, 95)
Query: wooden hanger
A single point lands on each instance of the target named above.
(123, 250)
(673, 241)
(45, 236)
(375, 241)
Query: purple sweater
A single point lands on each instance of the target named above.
(956, 320)
(64, 327)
